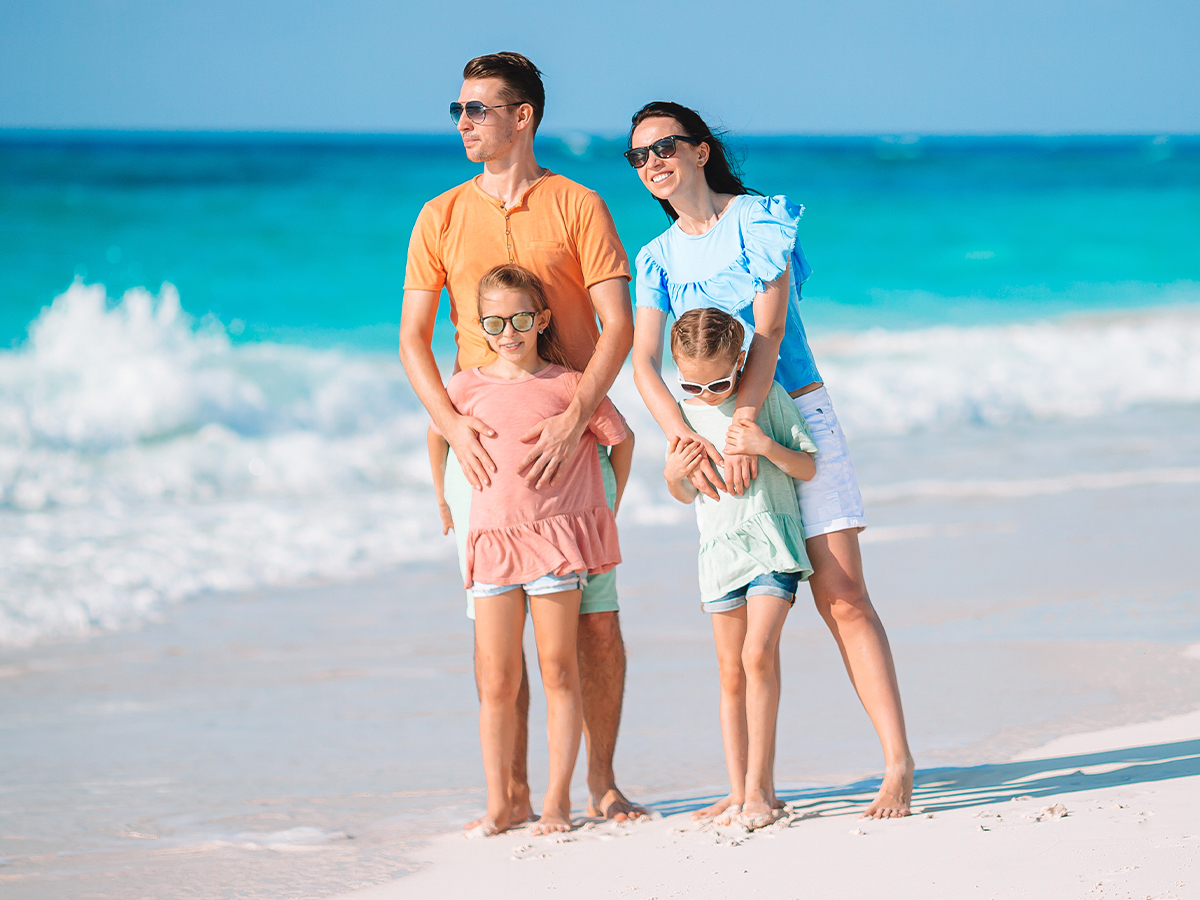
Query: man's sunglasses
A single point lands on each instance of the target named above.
(663, 148)
(521, 322)
(475, 110)
(720, 386)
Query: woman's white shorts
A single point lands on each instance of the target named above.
(831, 500)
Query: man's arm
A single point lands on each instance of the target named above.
(417, 317)
(556, 438)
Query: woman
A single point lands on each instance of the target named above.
(738, 252)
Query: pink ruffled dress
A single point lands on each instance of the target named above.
(517, 534)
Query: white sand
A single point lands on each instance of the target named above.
(1130, 830)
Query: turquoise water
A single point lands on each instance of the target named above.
(199, 388)
(301, 239)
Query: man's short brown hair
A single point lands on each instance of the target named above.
(521, 78)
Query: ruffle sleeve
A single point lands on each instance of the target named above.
(769, 234)
(650, 284)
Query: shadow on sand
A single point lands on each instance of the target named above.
(954, 788)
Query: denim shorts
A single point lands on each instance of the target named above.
(831, 500)
(772, 584)
(547, 584)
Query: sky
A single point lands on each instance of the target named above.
(756, 66)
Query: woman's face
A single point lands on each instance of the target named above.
(664, 177)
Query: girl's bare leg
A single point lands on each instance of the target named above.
(764, 623)
(556, 627)
(499, 623)
(729, 631)
(840, 593)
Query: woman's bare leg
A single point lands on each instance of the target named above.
(764, 622)
(556, 629)
(840, 594)
(729, 632)
(499, 623)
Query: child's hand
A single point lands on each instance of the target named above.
(447, 517)
(682, 459)
(747, 439)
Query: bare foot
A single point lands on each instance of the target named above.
(759, 809)
(895, 794)
(521, 812)
(615, 806)
(711, 812)
(552, 822)
(491, 824)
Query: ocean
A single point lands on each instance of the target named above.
(199, 389)
(233, 659)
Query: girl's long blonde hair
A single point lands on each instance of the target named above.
(511, 277)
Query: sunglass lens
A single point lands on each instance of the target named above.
(493, 325)
(665, 148)
(456, 111)
(719, 387)
(522, 321)
(637, 158)
(688, 388)
(476, 111)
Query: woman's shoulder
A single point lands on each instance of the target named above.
(777, 209)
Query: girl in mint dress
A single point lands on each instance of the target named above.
(752, 555)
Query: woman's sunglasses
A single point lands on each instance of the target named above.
(521, 322)
(720, 386)
(663, 148)
(475, 110)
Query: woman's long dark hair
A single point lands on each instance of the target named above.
(721, 174)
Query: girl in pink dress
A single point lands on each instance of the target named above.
(526, 545)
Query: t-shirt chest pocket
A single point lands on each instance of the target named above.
(547, 254)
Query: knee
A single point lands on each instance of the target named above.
(558, 676)
(758, 661)
(849, 605)
(499, 688)
(733, 676)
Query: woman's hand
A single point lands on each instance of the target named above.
(746, 438)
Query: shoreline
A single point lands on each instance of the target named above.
(1115, 806)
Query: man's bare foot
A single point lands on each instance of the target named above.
(894, 800)
(718, 808)
(615, 806)
(553, 821)
(491, 824)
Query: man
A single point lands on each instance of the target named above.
(516, 211)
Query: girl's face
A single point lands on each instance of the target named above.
(706, 371)
(510, 344)
(663, 177)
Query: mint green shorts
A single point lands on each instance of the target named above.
(600, 595)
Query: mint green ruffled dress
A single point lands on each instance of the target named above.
(760, 531)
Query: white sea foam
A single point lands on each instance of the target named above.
(145, 459)
(895, 382)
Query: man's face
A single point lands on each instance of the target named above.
(496, 134)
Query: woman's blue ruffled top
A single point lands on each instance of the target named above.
(752, 243)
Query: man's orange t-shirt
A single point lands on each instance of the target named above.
(559, 230)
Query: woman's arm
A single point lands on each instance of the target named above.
(621, 457)
(770, 323)
(748, 438)
(648, 331)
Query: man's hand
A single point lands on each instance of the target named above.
(556, 439)
(463, 438)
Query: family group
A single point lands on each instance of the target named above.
(530, 457)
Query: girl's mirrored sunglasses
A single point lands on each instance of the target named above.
(663, 148)
(494, 325)
(720, 386)
(475, 110)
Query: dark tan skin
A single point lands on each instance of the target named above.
(838, 586)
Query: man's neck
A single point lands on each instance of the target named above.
(507, 178)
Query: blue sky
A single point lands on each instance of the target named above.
(757, 66)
